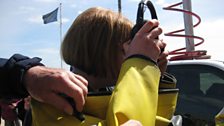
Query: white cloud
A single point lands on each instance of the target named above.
(158, 2)
(47, 1)
(26, 9)
(51, 57)
(65, 20)
(35, 19)
(212, 28)
(212, 32)
(161, 2)
(134, 0)
(73, 5)
(46, 50)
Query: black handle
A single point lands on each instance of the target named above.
(140, 16)
(79, 115)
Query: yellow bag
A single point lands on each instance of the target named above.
(219, 119)
(167, 99)
(136, 96)
(166, 106)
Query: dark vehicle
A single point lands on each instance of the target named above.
(201, 88)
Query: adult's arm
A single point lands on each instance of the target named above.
(12, 73)
(21, 76)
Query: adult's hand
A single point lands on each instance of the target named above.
(44, 84)
(145, 41)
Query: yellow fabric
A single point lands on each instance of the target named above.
(219, 118)
(166, 107)
(46, 115)
(97, 106)
(134, 97)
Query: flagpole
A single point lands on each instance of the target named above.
(60, 29)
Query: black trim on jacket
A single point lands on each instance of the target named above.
(141, 57)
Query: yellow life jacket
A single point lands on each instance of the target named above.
(136, 96)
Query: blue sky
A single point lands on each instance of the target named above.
(22, 29)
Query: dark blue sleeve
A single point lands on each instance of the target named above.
(12, 71)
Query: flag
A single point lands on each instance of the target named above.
(50, 17)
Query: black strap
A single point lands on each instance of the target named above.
(140, 16)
